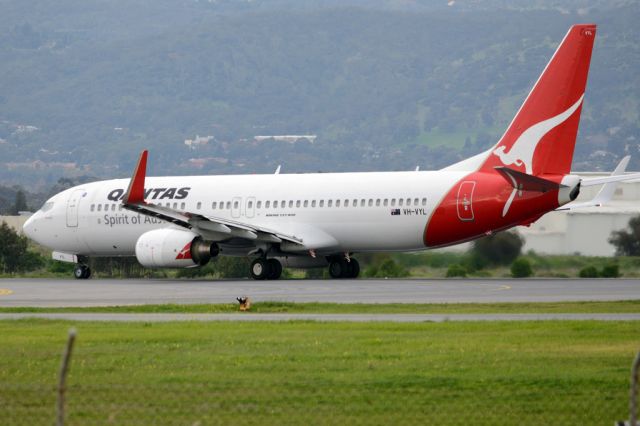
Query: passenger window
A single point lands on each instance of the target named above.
(259, 204)
(168, 205)
(298, 203)
(400, 201)
(355, 203)
(275, 204)
(267, 204)
(424, 201)
(370, 202)
(228, 205)
(386, 202)
(321, 203)
(235, 205)
(346, 203)
(182, 207)
(120, 207)
(290, 203)
(93, 207)
(199, 205)
(337, 203)
(378, 202)
(99, 207)
(362, 202)
(415, 201)
(283, 204)
(393, 202)
(113, 207)
(329, 203)
(408, 202)
(221, 205)
(106, 207)
(250, 204)
(306, 203)
(214, 205)
(313, 203)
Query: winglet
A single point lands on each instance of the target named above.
(135, 192)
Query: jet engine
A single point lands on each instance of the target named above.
(174, 248)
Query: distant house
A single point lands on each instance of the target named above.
(286, 138)
(198, 141)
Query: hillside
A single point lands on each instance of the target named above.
(384, 85)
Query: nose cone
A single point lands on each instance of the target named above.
(29, 228)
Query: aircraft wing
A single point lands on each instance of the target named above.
(211, 227)
(608, 189)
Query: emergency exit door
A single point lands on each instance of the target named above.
(465, 201)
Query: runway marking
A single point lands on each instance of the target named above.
(502, 287)
(5, 292)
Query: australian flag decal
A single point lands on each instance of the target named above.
(395, 212)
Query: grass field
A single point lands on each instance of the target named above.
(616, 307)
(529, 373)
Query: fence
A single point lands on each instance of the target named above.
(176, 400)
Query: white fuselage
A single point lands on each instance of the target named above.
(351, 212)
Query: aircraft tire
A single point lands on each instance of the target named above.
(81, 272)
(353, 268)
(339, 269)
(260, 269)
(275, 269)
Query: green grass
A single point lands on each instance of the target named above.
(627, 306)
(525, 373)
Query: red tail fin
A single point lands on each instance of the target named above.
(542, 136)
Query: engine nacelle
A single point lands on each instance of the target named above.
(174, 248)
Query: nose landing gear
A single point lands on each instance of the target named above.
(81, 272)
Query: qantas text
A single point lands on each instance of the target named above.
(154, 194)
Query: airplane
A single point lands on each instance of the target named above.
(322, 219)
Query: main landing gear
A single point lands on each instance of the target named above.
(343, 268)
(266, 269)
(81, 272)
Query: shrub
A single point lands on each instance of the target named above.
(456, 270)
(386, 267)
(588, 272)
(497, 249)
(521, 268)
(610, 271)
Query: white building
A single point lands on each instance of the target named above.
(587, 230)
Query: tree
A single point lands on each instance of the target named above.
(627, 241)
(497, 249)
(20, 203)
(14, 256)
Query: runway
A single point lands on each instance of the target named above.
(97, 292)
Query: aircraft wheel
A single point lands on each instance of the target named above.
(82, 272)
(275, 269)
(353, 268)
(260, 269)
(338, 269)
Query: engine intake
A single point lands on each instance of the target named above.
(174, 248)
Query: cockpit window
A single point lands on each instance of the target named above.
(47, 206)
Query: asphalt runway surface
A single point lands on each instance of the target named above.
(99, 292)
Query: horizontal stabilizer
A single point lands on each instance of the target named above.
(525, 182)
(608, 189)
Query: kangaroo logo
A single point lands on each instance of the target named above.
(522, 150)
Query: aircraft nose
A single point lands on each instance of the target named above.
(29, 227)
